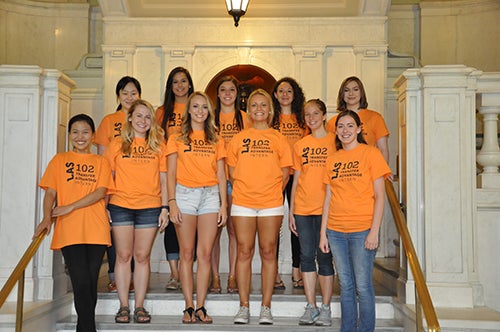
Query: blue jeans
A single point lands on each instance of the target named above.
(354, 265)
(308, 228)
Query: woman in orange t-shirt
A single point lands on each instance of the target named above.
(128, 90)
(288, 102)
(138, 205)
(352, 96)
(198, 198)
(230, 121)
(306, 206)
(78, 180)
(352, 214)
(259, 160)
(178, 88)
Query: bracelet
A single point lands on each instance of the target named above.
(172, 199)
(165, 207)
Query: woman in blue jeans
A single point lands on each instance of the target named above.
(306, 204)
(352, 214)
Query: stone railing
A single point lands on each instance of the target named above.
(488, 106)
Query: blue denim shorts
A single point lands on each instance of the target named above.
(197, 201)
(139, 218)
(229, 188)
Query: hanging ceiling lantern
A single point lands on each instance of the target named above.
(236, 8)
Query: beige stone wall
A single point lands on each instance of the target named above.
(447, 32)
(50, 35)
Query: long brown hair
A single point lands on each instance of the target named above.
(360, 137)
(341, 104)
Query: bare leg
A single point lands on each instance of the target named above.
(245, 230)
(268, 228)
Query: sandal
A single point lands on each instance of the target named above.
(279, 285)
(141, 316)
(215, 288)
(123, 315)
(191, 317)
(232, 286)
(298, 284)
(206, 319)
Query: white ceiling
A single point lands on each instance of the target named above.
(256, 8)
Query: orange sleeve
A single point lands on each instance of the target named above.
(110, 127)
(74, 176)
(330, 125)
(374, 126)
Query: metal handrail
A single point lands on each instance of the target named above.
(422, 292)
(17, 276)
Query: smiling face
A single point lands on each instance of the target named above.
(284, 94)
(128, 95)
(313, 116)
(140, 120)
(259, 107)
(227, 93)
(81, 136)
(347, 131)
(198, 110)
(352, 95)
(180, 85)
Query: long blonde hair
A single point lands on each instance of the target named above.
(154, 136)
(209, 127)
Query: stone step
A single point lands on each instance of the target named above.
(226, 305)
(221, 323)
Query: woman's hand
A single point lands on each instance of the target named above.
(291, 225)
(222, 216)
(371, 241)
(46, 223)
(323, 243)
(163, 220)
(62, 210)
(175, 213)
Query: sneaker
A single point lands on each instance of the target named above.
(325, 316)
(172, 284)
(310, 315)
(265, 315)
(243, 315)
(112, 287)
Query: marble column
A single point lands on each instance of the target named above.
(437, 153)
(35, 103)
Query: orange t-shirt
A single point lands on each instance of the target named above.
(258, 157)
(196, 162)
(175, 121)
(137, 176)
(309, 157)
(350, 175)
(228, 127)
(110, 127)
(289, 127)
(73, 176)
(373, 125)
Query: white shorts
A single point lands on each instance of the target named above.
(241, 211)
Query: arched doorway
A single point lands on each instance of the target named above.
(250, 78)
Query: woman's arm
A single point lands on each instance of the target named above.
(371, 241)
(291, 204)
(163, 218)
(383, 146)
(323, 241)
(221, 178)
(85, 201)
(286, 176)
(175, 213)
(48, 204)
